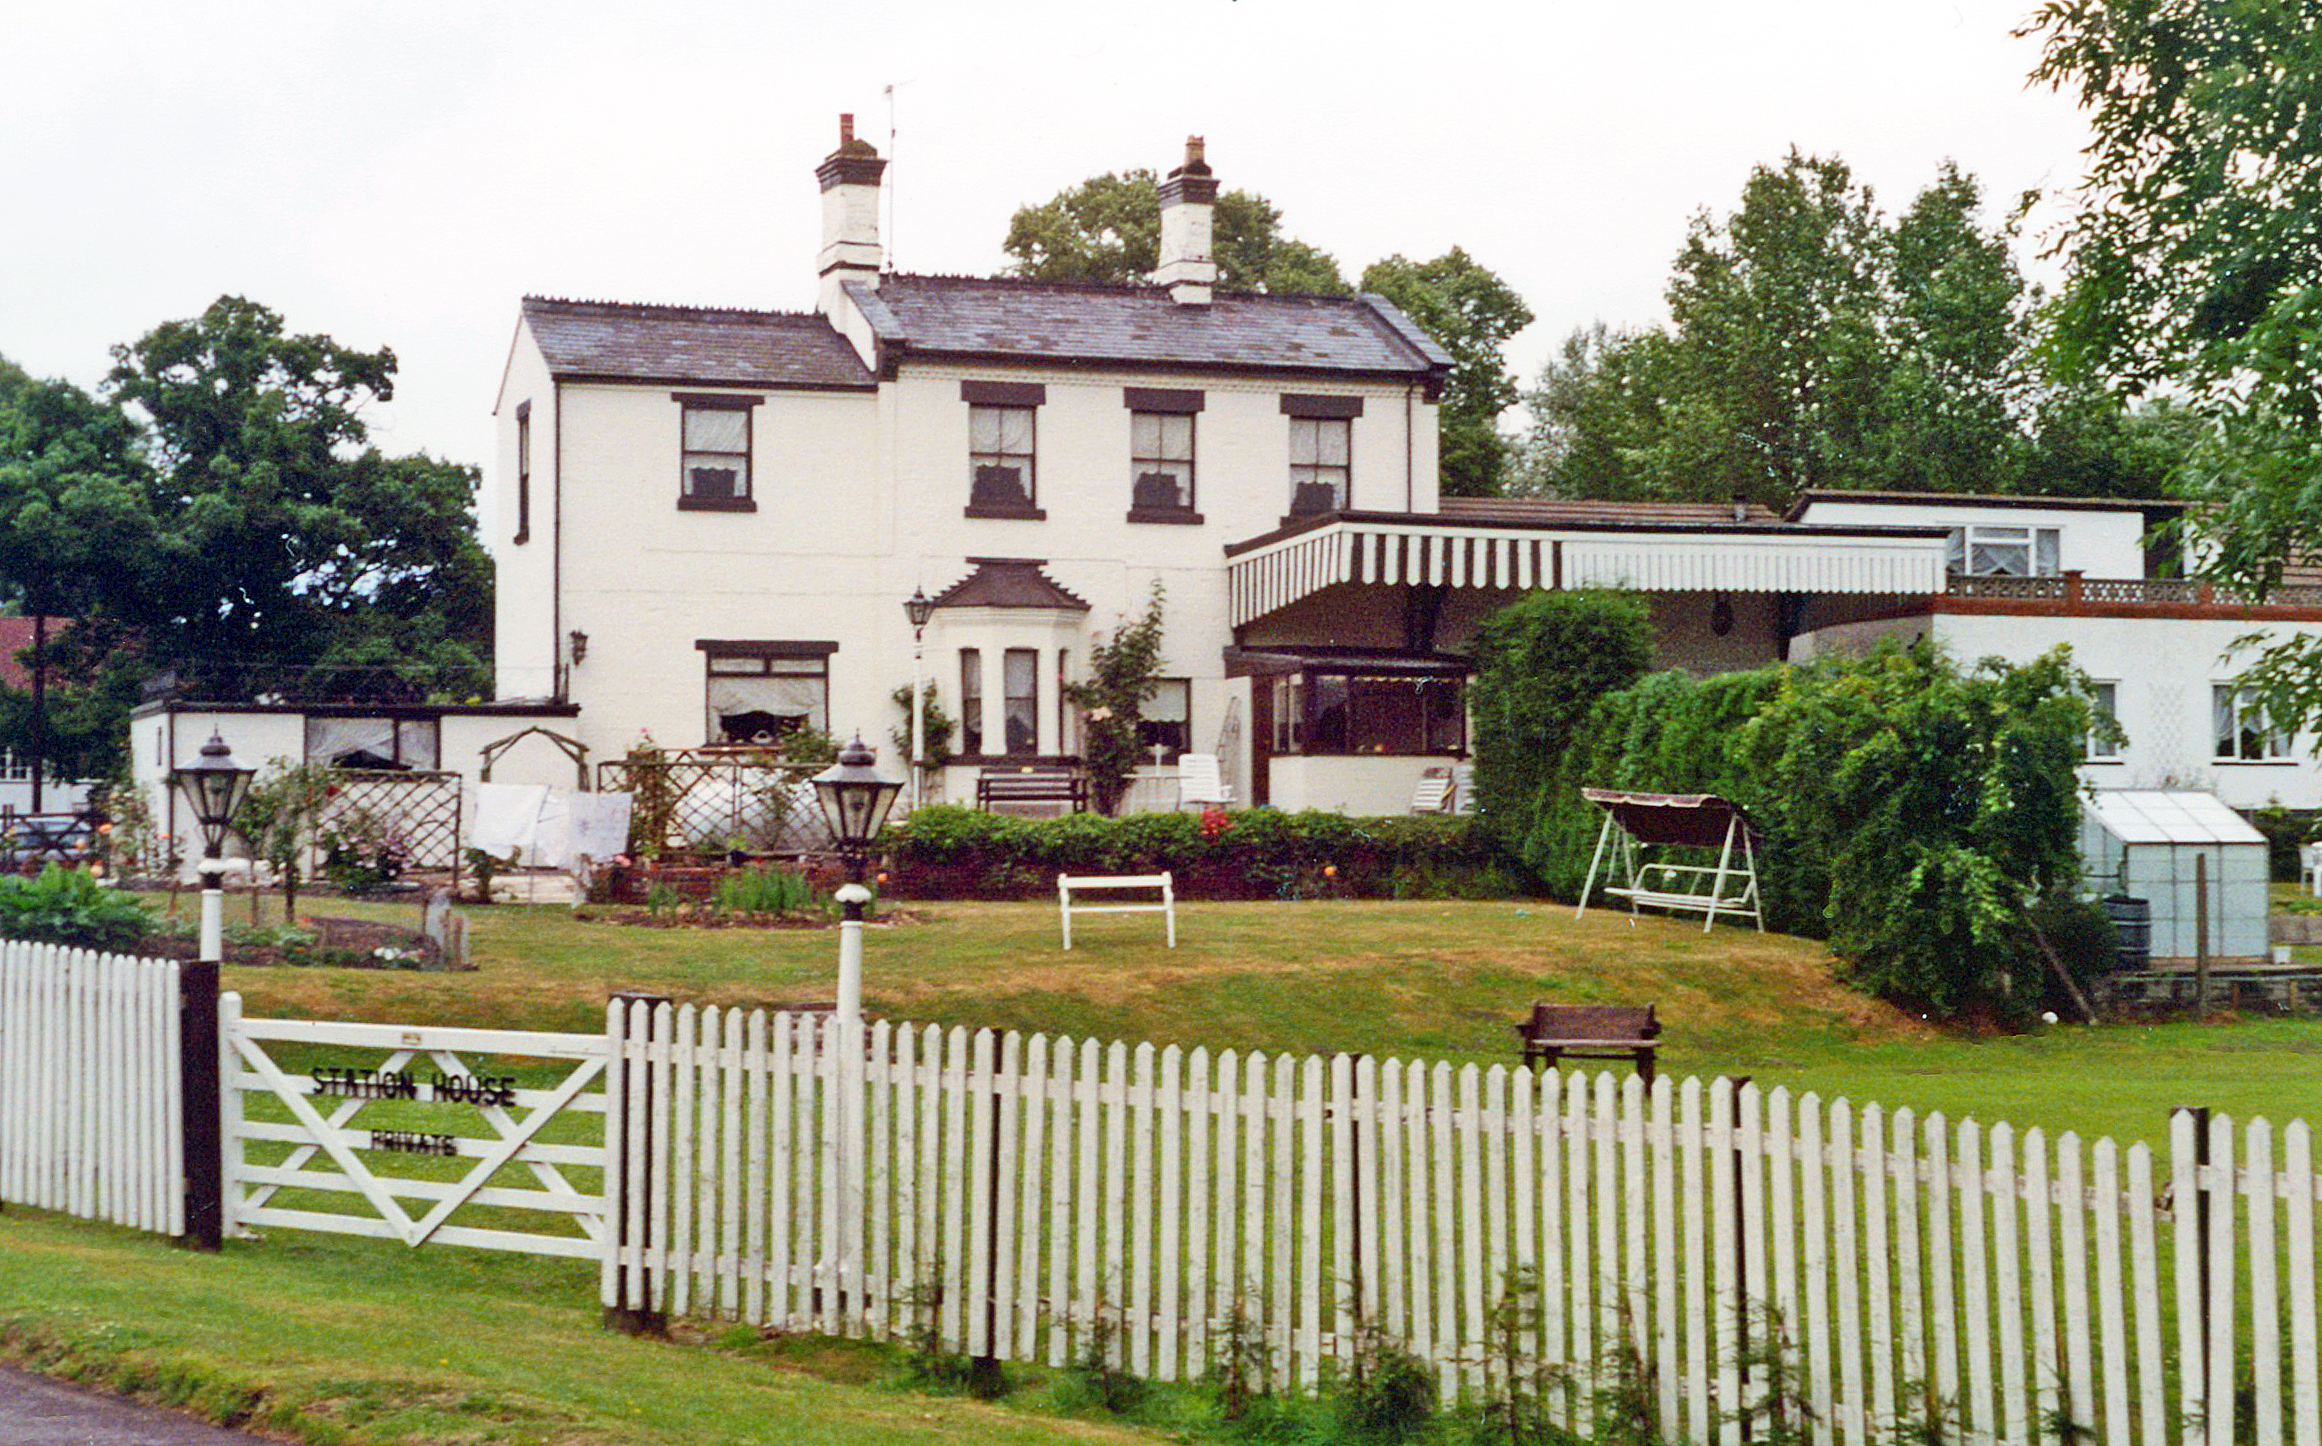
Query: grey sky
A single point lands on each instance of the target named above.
(400, 175)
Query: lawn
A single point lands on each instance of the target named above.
(336, 1339)
(1439, 979)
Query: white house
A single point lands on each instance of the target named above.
(708, 522)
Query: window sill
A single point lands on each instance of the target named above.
(1006, 513)
(2255, 762)
(716, 504)
(1180, 516)
(2102, 762)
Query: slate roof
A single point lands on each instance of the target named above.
(1008, 582)
(1031, 321)
(1568, 512)
(623, 341)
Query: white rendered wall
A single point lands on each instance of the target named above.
(524, 630)
(1351, 783)
(2163, 670)
(2099, 543)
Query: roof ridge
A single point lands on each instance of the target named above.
(668, 308)
(1117, 288)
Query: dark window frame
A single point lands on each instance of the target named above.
(745, 498)
(1164, 407)
(1028, 398)
(1020, 709)
(1305, 699)
(1152, 730)
(772, 658)
(523, 473)
(971, 701)
(1338, 476)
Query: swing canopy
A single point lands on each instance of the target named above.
(1635, 821)
(1696, 819)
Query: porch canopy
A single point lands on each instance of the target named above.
(1636, 545)
(1634, 821)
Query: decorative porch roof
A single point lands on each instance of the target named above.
(1271, 572)
(1009, 582)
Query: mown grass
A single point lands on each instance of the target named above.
(332, 1339)
(336, 1340)
(1443, 980)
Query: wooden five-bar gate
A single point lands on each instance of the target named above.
(1031, 1198)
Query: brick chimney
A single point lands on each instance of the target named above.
(850, 215)
(1188, 260)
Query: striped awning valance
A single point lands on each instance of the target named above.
(1269, 578)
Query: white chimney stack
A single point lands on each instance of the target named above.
(850, 215)
(1188, 259)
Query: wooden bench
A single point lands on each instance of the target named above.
(1033, 783)
(1591, 1031)
(1166, 906)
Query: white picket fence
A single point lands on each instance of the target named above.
(90, 1113)
(1912, 1274)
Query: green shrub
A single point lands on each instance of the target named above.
(768, 890)
(69, 906)
(1540, 664)
(1258, 853)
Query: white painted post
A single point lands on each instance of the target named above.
(1200, 1126)
(2305, 1351)
(2072, 1240)
(1853, 1409)
(2185, 1186)
(1169, 1250)
(1975, 1276)
(2112, 1325)
(2047, 1348)
(1700, 1366)
(2145, 1290)
(1878, 1287)
(1038, 1208)
(2008, 1277)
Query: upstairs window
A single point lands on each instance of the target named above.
(523, 472)
(1321, 452)
(1161, 454)
(1003, 475)
(2242, 730)
(714, 464)
(2005, 551)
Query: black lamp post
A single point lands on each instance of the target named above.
(918, 607)
(855, 798)
(215, 786)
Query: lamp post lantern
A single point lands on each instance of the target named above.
(215, 786)
(918, 607)
(855, 798)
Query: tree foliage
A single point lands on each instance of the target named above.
(1816, 342)
(1913, 811)
(1540, 664)
(1108, 229)
(1473, 313)
(2196, 263)
(218, 509)
(1124, 671)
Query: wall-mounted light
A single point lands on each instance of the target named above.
(580, 645)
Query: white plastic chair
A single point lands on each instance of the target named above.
(1198, 781)
(2311, 857)
(1434, 793)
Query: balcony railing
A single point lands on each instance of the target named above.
(2073, 590)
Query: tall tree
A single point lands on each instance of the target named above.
(290, 553)
(1108, 229)
(2196, 261)
(1473, 313)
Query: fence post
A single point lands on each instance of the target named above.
(984, 1379)
(635, 1307)
(198, 1085)
(1741, 1252)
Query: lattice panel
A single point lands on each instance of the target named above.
(423, 807)
(708, 799)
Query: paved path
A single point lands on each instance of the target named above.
(36, 1411)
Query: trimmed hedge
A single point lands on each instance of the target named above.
(945, 851)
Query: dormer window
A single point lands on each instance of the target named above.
(2005, 551)
(714, 462)
(1003, 480)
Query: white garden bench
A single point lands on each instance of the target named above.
(1066, 908)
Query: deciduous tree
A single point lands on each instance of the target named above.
(1468, 309)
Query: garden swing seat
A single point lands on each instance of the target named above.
(1637, 822)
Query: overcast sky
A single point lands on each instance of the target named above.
(400, 175)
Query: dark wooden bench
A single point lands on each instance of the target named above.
(1033, 783)
(1591, 1031)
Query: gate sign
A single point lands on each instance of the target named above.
(349, 1118)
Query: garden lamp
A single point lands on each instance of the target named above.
(855, 797)
(215, 786)
(918, 607)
